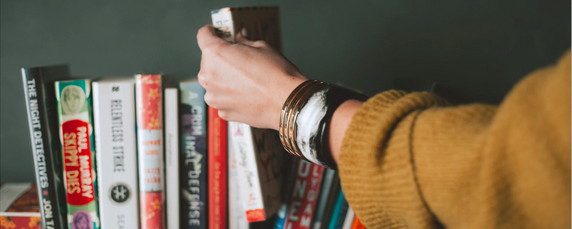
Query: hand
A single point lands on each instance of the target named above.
(248, 81)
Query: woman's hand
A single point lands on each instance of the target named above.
(247, 81)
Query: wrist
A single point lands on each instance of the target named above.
(339, 123)
(284, 90)
(305, 120)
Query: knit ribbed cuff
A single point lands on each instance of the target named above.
(376, 168)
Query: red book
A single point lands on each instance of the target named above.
(217, 166)
(304, 195)
(357, 224)
(149, 97)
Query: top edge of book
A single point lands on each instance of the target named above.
(228, 9)
(11, 192)
(159, 74)
(127, 79)
(74, 80)
(66, 66)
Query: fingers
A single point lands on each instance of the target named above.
(242, 38)
(207, 37)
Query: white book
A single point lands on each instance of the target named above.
(236, 215)
(258, 151)
(259, 154)
(350, 216)
(116, 155)
(172, 157)
(261, 23)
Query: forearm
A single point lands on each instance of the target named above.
(339, 124)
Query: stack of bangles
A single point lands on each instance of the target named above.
(305, 120)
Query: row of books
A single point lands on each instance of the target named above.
(139, 152)
(188, 155)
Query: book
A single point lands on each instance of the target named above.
(217, 166)
(261, 23)
(116, 152)
(325, 197)
(333, 197)
(288, 183)
(148, 97)
(357, 224)
(304, 195)
(259, 155)
(281, 216)
(349, 219)
(193, 155)
(19, 206)
(76, 137)
(172, 157)
(258, 150)
(339, 212)
(236, 216)
(41, 104)
(269, 223)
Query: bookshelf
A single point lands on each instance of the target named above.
(108, 38)
(120, 38)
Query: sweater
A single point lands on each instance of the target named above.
(411, 160)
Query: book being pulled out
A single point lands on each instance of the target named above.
(258, 152)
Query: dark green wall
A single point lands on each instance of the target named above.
(480, 48)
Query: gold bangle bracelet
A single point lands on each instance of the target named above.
(311, 120)
(284, 137)
(290, 111)
(292, 121)
(285, 114)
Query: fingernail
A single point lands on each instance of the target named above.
(244, 32)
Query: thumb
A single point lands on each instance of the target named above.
(242, 38)
(207, 36)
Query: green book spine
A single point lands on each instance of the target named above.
(77, 142)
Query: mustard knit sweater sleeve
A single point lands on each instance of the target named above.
(412, 161)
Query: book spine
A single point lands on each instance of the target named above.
(349, 219)
(193, 154)
(270, 155)
(339, 212)
(236, 216)
(248, 175)
(290, 178)
(76, 129)
(304, 195)
(357, 224)
(172, 157)
(331, 202)
(217, 160)
(148, 95)
(327, 181)
(51, 192)
(114, 118)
